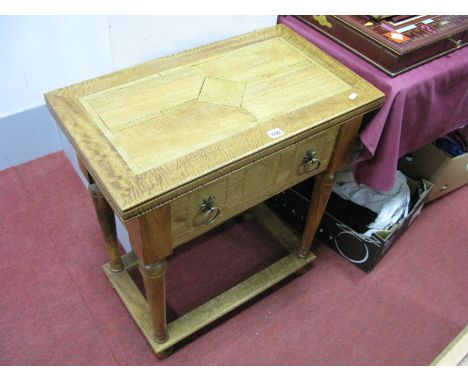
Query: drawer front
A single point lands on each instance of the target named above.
(202, 209)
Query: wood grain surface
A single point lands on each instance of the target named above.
(153, 132)
(249, 185)
(206, 313)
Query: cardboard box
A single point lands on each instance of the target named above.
(431, 163)
(363, 252)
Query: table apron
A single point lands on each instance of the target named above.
(250, 185)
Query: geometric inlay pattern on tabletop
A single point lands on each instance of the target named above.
(222, 92)
(241, 87)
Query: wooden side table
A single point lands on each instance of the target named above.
(178, 145)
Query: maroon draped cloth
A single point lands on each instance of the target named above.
(420, 106)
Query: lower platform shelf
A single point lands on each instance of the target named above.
(217, 307)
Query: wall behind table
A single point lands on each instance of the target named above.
(38, 54)
(43, 53)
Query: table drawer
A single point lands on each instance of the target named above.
(202, 209)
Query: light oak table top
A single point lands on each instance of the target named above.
(155, 131)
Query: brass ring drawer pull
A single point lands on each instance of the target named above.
(211, 212)
(457, 43)
(311, 163)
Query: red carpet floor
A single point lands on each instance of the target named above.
(57, 307)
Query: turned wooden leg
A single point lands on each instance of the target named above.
(154, 278)
(106, 220)
(324, 182)
(322, 188)
(151, 239)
